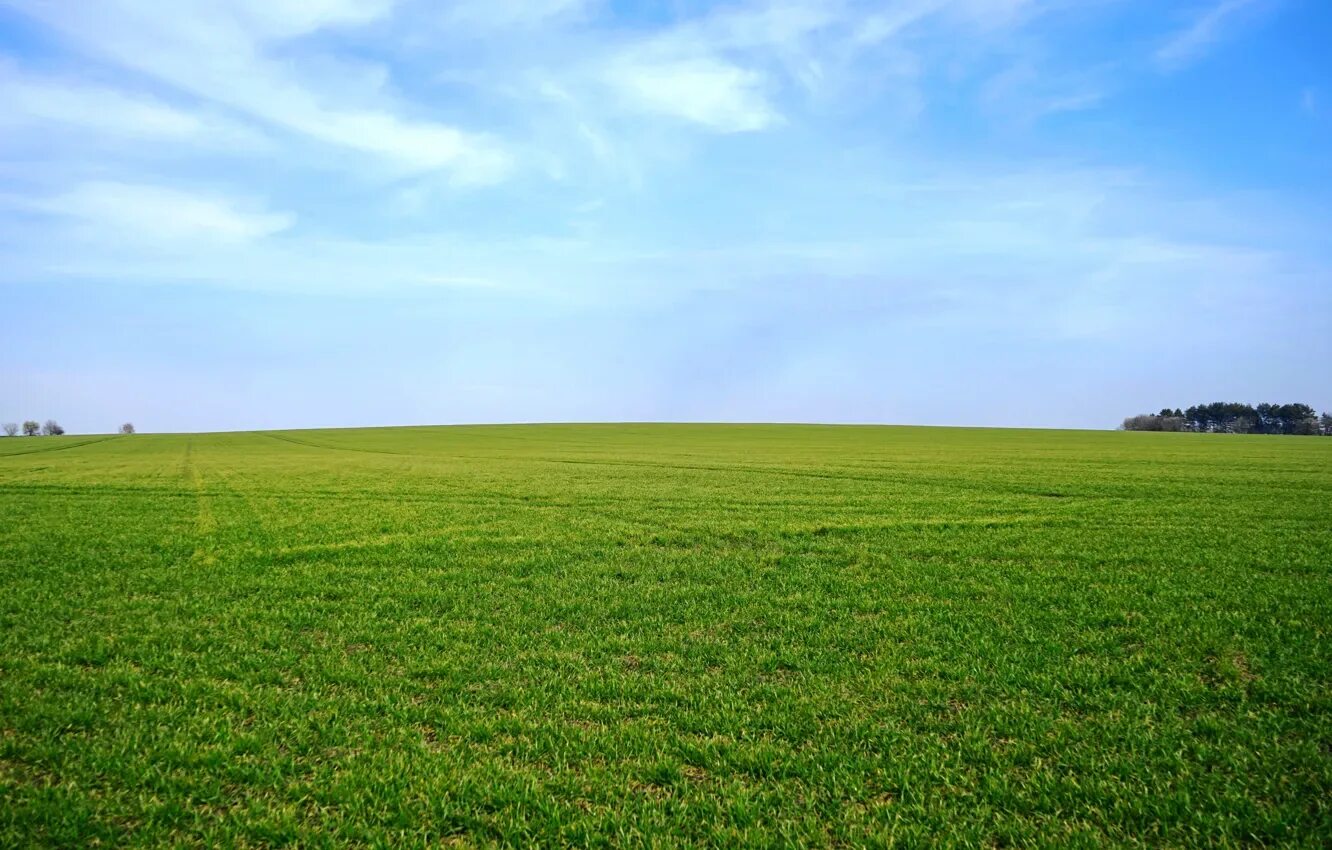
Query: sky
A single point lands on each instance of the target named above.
(235, 214)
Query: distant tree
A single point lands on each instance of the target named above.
(11, 428)
(51, 428)
(127, 428)
(1266, 418)
(31, 429)
(1306, 426)
(1303, 419)
(1153, 422)
(1232, 417)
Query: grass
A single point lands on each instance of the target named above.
(625, 635)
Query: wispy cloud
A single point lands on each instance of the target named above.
(713, 94)
(500, 14)
(1309, 101)
(1022, 93)
(57, 105)
(225, 54)
(722, 72)
(152, 214)
(1207, 29)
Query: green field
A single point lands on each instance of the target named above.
(658, 635)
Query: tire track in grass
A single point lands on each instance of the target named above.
(650, 525)
(357, 543)
(286, 439)
(613, 516)
(255, 518)
(506, 498)
(950, 484)
(730, 469)
(59, 448)
(205, 524)
(490, 496)
(266, 546)
(410, 456)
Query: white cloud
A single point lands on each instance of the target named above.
(771, 27)
(734, 69)
(289, 18)
(225, 54)
(499, 14)
(1193, 42)
(725, 71)
(1023, 92)
(992, 13)
(28, 101)
(155, 213)
(895, 18)
(708, 92)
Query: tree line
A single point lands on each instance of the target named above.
(1230, 417)
(49, 428)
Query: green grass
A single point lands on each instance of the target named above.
(625, 635)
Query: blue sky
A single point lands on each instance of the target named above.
(299, 213)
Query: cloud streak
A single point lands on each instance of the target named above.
(57, 105)
(152, 214)
(224, 54)
(712, 94)
(1194, 41)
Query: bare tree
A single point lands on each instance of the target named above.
(11, 428)
(127, 428)
(52, 428)
(31, 428)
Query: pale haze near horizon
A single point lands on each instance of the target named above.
(232, 215)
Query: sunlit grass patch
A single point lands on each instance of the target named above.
(662, 635)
